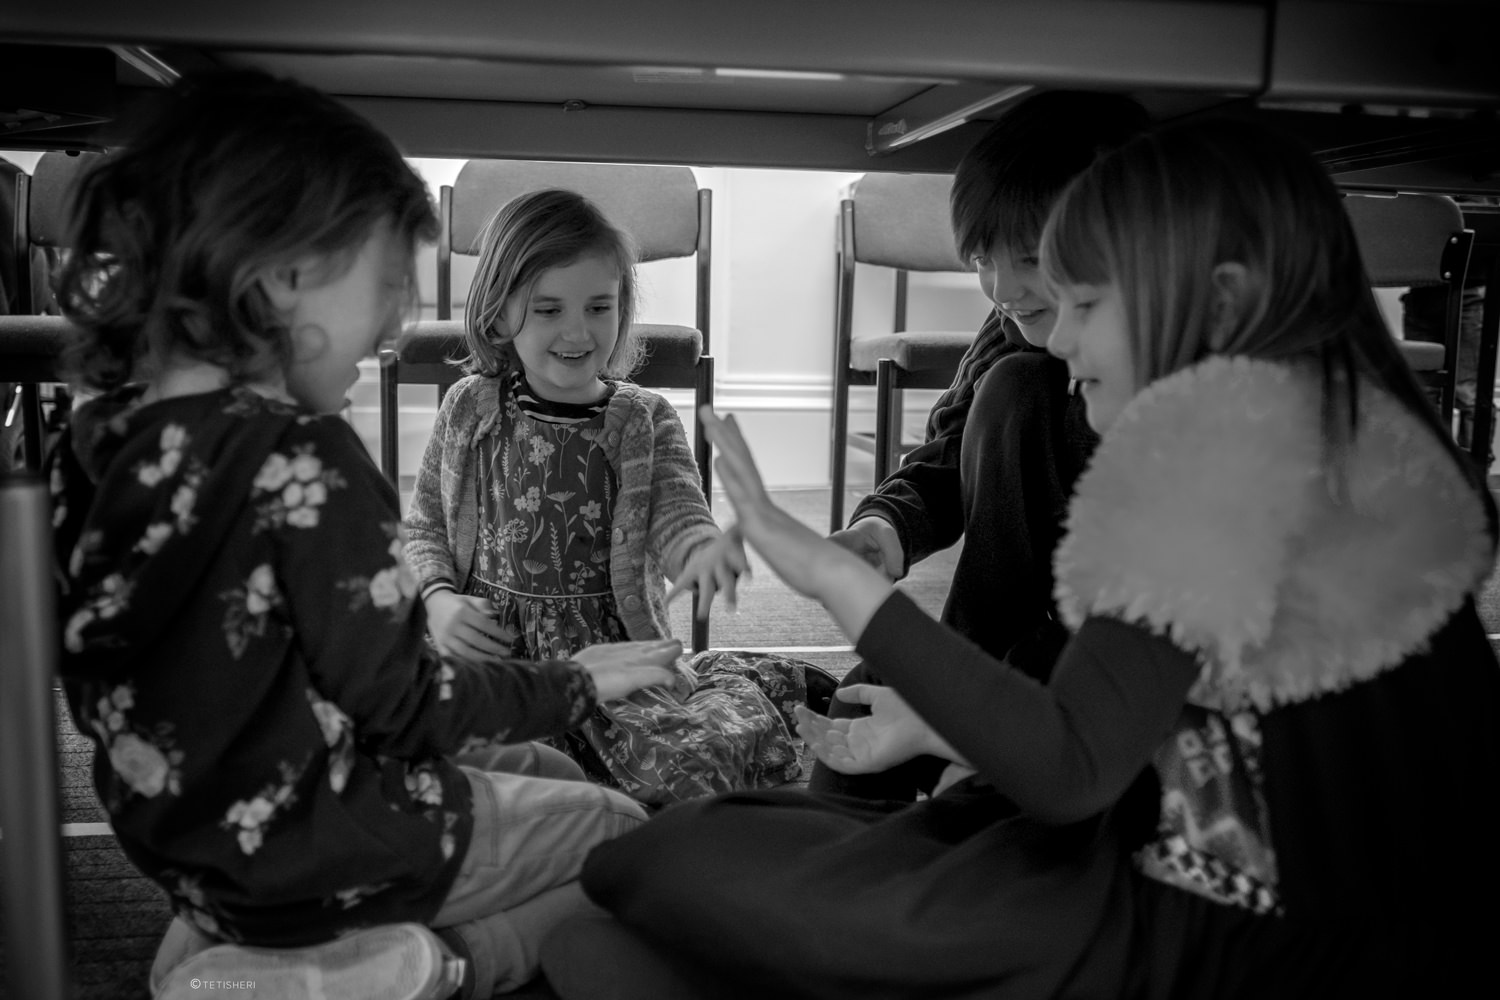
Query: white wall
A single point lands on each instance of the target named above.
(771, 321)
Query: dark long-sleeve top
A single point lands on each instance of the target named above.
(1291, 646)
(242, 639)
(1006, 443)
(923, 499)
(1061, 751)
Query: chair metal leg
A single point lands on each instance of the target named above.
(33, 428)
(703, 395)
(838, 450)
(887, 417)
(31, 853)
(390, 420)
(1484, 389)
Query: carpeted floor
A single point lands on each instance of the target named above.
(115, 917)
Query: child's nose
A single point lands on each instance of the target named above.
(1060, 342)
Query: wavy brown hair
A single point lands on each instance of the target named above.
(222, 178)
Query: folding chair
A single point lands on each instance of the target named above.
(30, 343)
(895, 221)
(664, 212)
(1415, 240)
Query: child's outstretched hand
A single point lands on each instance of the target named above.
(713, 567)
(465, 628)
(622, 668)
(891, 734)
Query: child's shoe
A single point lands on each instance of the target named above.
(390, 962)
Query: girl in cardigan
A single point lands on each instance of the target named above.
(1277, 709)
(553, 498)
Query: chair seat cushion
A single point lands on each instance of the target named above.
(1422, 355)
(677, 346)
(30, 347)
(432, 341)
(914, 351)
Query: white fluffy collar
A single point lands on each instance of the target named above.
(1207, 515)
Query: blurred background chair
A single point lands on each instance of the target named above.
(1418, 241)
(664, 212)
(897, 221)
(32, 336)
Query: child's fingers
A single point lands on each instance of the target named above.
(857, 694)
(682, 586)
(706, 593)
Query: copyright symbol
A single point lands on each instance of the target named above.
(196, 983)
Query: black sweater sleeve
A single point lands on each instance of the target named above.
(1062, 751)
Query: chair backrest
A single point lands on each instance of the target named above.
(1415, 240)
(661, 208)
(1409, 239)
(43, 203)
(898, 221)
(902, 221)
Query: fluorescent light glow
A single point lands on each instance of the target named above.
(777, 74)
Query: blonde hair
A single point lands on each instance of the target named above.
(528, 236)
(1158, 215)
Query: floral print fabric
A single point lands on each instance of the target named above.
(242, 640)
(546, 493)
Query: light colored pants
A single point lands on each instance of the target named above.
(535, 819)
(520, 876)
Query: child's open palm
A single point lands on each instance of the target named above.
(891, 734)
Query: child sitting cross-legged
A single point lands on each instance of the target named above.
(278, 747)
(555, 497)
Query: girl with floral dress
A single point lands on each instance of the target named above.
(553, 500)
(277, 746)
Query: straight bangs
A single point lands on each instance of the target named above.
(1012, 218)
(1150, 226)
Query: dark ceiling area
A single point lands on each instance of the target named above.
(1390, 93)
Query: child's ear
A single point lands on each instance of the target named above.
(283, 283)
(1231, 281)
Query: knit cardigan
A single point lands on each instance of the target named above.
(660, 515)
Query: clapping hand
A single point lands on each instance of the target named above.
(876, 541)
(891, 734)
(623, 668)
(714, 567)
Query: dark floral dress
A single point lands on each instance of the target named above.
(546, 494)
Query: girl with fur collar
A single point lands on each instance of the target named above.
(553, 499)
(1278, 707)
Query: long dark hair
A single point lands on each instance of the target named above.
(223, 177)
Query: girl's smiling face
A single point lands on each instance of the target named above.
(1013, 282)
(565, 326)
(1091, 334)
